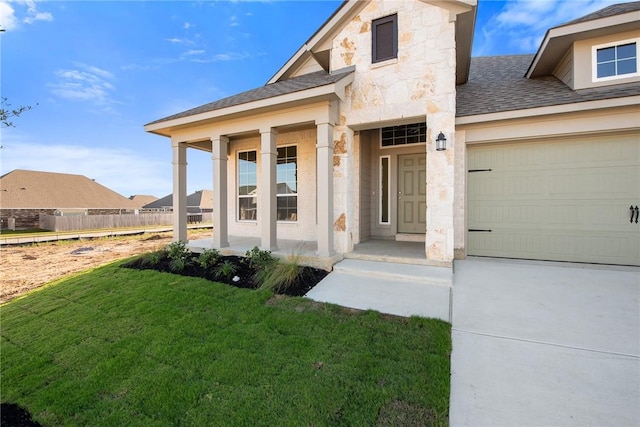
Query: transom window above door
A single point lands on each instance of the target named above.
(404, 134)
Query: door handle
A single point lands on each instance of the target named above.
(635, 211)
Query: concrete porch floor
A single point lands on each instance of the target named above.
(371, 250)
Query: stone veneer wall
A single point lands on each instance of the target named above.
(419, 83)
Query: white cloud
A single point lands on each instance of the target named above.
(122, 170)
(28, 10)
(233, 21)
(187, 25)
(86, 83)
(177, 40)
(8, 19)
(193, 52)
(521, 24)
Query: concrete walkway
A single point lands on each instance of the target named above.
(399, 289)
(542, 344)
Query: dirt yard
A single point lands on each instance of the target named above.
(23, 268)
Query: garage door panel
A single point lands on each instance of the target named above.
(604, 248)
(561, 200)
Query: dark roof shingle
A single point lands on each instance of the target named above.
(614, 9)
(284, 87)
(497, 84)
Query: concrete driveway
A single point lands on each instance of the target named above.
(545, 344)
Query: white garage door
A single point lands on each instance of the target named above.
(564, 200)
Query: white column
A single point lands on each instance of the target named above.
(267, 190)
(324, 164)
(219, 156)
(179, 191)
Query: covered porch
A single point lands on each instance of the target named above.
(307, 251)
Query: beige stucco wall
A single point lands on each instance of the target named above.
(419, 83)
(303, 229)
(583, 60)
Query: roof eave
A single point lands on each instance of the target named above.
(561, 38)
(329, 91)
(548, 110)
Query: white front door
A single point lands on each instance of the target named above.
(412, 193)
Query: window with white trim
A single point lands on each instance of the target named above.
(615, 60)
(248, 185)
(287, 179)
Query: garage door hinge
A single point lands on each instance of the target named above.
(480, 170)
(476, 230)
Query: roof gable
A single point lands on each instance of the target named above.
(613, 19)
(318, 45)
(23, 189)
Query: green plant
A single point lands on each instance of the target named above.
(280, 276)
(151, 258)
(226, 270)
(259, 259)
(209, 258)
(178, 265)
(177, 250)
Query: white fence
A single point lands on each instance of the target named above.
(98, 222)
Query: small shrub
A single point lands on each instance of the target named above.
(226, 270)
(177, 250)
(281, 276)
(209, 258)
(259, 259)
(178, 265)
(151, 259)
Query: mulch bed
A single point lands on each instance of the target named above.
(12, 415)
(243, 277)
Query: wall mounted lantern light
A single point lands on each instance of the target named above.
(441, 142)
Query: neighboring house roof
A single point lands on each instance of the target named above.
(497, 84)
(202, 199)
(23, 189)
(142, 199)
(285, 87)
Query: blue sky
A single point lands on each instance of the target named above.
(99, 70)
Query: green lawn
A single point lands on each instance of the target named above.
(119, 347)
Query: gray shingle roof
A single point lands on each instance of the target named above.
(497, 84)
(614, 9)
(284, 87)
(202, 199)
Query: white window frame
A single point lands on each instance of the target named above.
(380, 221)
(297, 183)
(238, 196)
(594, 60)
